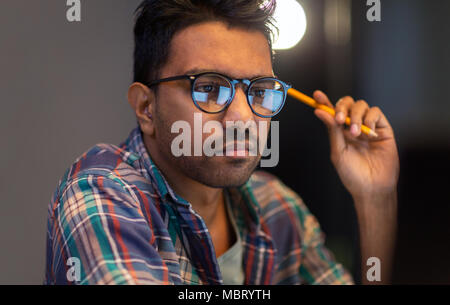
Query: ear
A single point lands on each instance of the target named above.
(142, 100)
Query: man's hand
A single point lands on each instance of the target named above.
(367, 166)
(369, 169)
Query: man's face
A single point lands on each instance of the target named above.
(212, 46)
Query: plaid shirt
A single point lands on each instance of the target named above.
(116, 214)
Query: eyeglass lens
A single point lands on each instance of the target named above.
(211, 93)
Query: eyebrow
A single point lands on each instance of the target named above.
(198, 70)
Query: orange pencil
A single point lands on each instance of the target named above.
(312, 103)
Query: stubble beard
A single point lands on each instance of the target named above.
(215, 171)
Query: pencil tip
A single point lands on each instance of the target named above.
(373, 134)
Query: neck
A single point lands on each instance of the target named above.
(207, 201)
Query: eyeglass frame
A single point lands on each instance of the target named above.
(233, 82)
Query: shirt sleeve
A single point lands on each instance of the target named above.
(101, 236)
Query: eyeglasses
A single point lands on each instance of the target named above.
(213, 92)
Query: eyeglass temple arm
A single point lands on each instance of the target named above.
(169, 79)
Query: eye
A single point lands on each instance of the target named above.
(207, 88)
(258, 92)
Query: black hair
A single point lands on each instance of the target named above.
(157, 21)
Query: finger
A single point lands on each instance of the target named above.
(357, 114)
(326, 118)
(378, 122)
(343, 108)
(322, 98)
(377, 118)
(372, 117)
(335, 132)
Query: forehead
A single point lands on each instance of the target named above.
(214, 46)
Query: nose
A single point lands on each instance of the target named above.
(239, 109)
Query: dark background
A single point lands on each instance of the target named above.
(63, 89)
(402, 65)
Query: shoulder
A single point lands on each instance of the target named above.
(269, 190)
(280, 206)
(103, 166)
(100, 159)
(105, 183)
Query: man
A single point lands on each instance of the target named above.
(138, 214)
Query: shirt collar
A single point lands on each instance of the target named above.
(246, 195)
(135, 144)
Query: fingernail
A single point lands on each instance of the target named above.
(354, 129)
(340, 117)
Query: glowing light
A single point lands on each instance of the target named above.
(290, 19)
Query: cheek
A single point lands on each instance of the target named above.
(211, 126)
(174, 104)
(187, 123)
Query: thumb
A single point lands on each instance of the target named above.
(335, 132)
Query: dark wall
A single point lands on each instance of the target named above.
(402, 63)
(62, 90)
